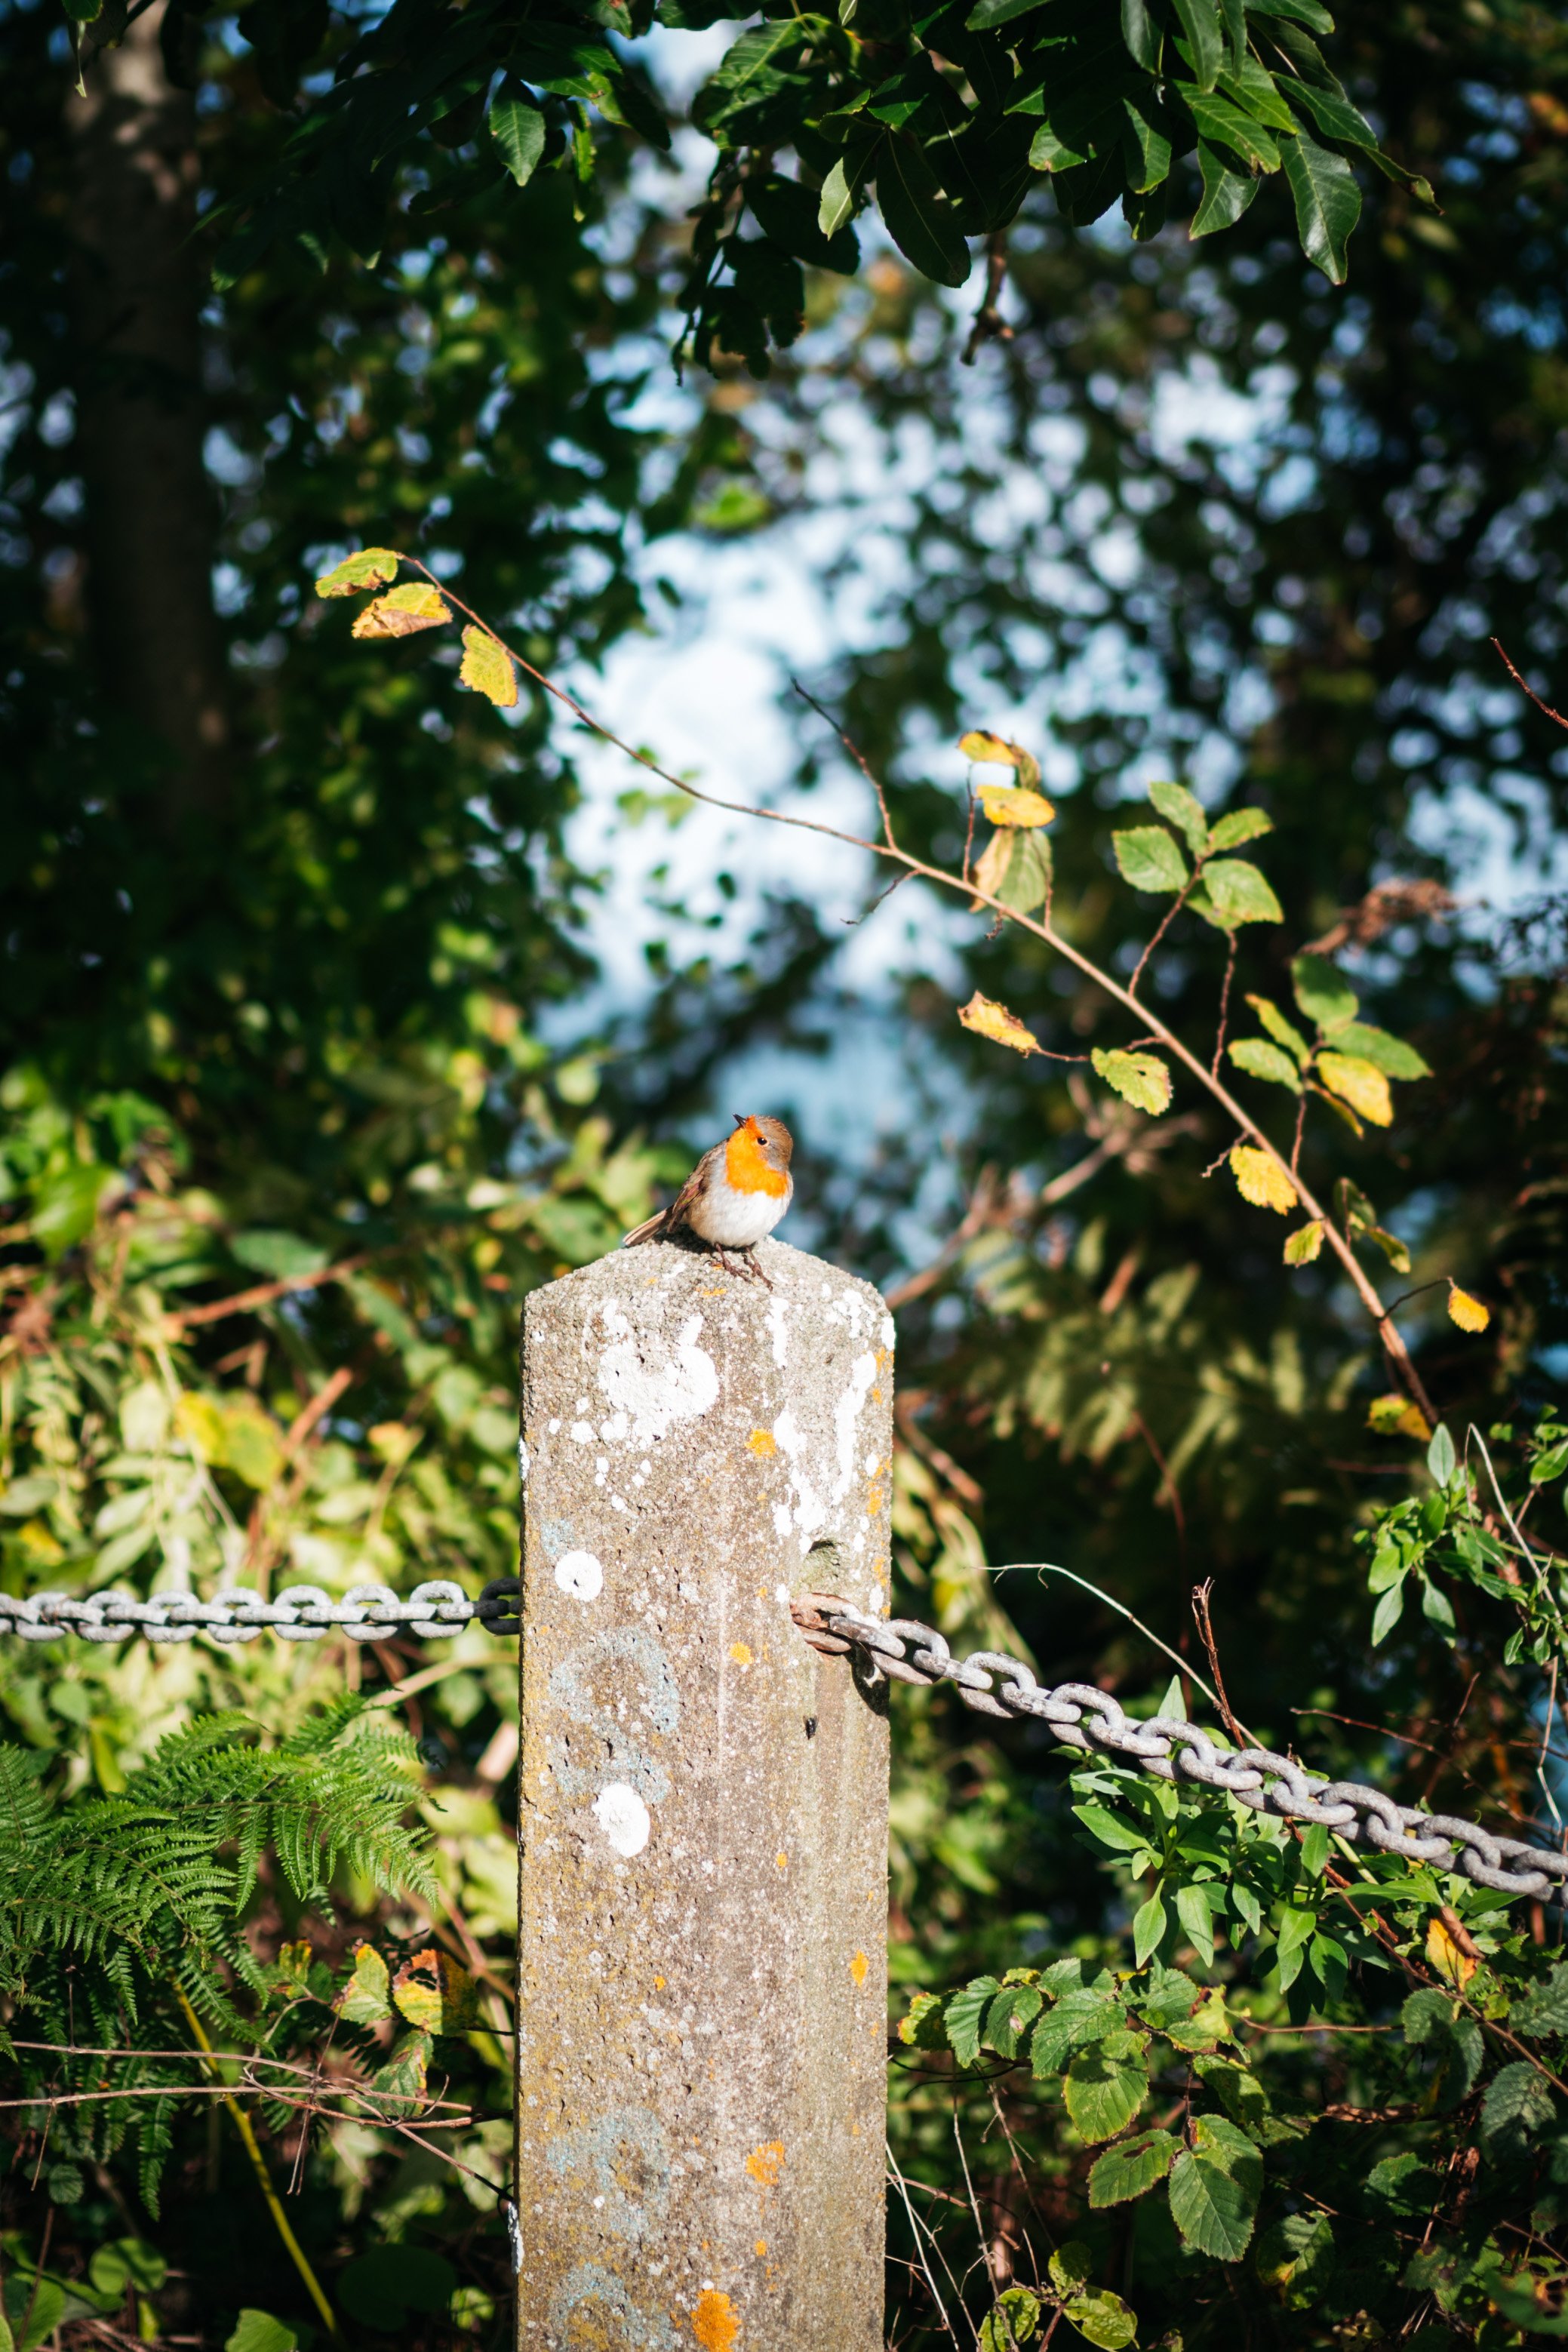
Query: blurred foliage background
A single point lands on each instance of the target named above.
(293, 932)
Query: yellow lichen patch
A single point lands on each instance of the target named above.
(761, 2245)
(715, 2322)
(859, 1968)
(741, 1653)
(761, 1441)
(658, 1984)
(781, 1861)
(764, 2162)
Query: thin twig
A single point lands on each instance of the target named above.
(1544, 707)
(1237, 1730)
(1224, 1008)
(263, 1294)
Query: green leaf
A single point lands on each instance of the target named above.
(1014, 2321)
(1517, 2106)
(1105, 2085)
(1149, 859)
(1240, 894)
(259, 2332)
(1214, 2189)
(1070, 2266)
(1017, 869)
(1103, 2319)
(1148, 154)
(1284, 1033)
(1184, 810)
(1238, 825)
(1225, 196)
(1220, 122)
(1315, 1851)
(965, 2017)
(1295, 1928)
(1390, 1054)
(1324, 995)
(923, 2028)
(1441, 1459)
(1328, 203)
(1078, 2018)
(1261, 1060)
(64, 1205)
(1306, 12)
(840, 190)
(921, 220)
(1148, 1926)
(1131, 2168)
(1255, 90)
(1110, 1829)
(1544, 2010)
(1334, 115)
(373, 567)
(1304, 1246)
(1388, 1614)
(517, 126)
(1142, 1079)
(1200, 21)
(367, 1998)
(1140, 32)
(1193, 1911)
(988, 13)
(1009, 2017)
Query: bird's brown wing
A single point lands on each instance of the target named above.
(668, 1221)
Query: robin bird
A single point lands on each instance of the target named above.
(733, 1197)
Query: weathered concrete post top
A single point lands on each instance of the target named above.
(702, 1971)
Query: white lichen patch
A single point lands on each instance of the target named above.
(650, 1387)
(579, 1573)
(623, 1817)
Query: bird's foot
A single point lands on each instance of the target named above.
(744, 1262)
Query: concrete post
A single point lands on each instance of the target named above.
(702, 1963)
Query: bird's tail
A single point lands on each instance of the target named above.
(650, 1229)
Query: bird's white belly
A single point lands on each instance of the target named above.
(733, 1220)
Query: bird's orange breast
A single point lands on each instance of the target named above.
(748, 1169)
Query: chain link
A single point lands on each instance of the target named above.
(1084, 1716)
(302, 1613)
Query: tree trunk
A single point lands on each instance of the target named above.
(150, 510)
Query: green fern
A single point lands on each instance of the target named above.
(111, 1906)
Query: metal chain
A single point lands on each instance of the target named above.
(1080, 1715)
(1084, 1716)
(302, 1613)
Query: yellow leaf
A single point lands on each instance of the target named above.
(1359, 1084)
(200, 1421)
(1395, 1416)
(1469, 1312)
(405, 612)
(988, 1019)
(373, 567)
(487, 668)
(1303, 1245)
(1262, 1181)
(1452, 1965)
(364, 1998)
(434, 1993)
(992, 870)
(1009, 804)
(996, 751)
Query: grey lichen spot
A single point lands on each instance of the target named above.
(617, 1687)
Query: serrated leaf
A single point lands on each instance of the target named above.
(1070, 2266)
(1080, 2016)
(1304, 1246)
(1149, 859)
(1470, 1313)
(1225, 196)
(1239, 894)
(923, 2029)
(1184, 810)
(1328, 203)
(989, 1019)
(1230, 831)
(964, 2017)
(373, 567)
(1012, 804)
(1131, 2168)
(1544, 2010)
(1214, 2189)
(1517, 2106)
(367, 1998)
(404, 612)
(1260, 1180)
(1013, 2322)
(1142, 1079)
(1009, 2018)
(488, 669)
(1105, 2085)
(517, 126)
(401, 2083)
(1392, 1055)
(1323, 994)
(1259, 1059)
(1359, 1084)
